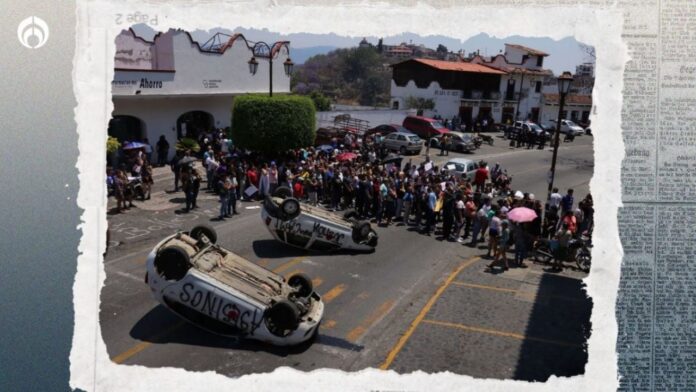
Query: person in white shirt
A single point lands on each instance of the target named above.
(554, 202)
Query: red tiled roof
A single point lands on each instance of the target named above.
(459, 66)
(529, 50)
(570, 99)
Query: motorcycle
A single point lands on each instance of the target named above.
(545, 251)
(136, 184)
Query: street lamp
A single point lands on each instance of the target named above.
(265, 51)
(564, 82)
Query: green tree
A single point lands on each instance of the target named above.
(321, 102)
(420, 103)
(273, 124)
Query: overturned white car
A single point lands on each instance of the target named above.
(309, 227)
(220, 291)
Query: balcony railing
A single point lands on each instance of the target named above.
(484, 95)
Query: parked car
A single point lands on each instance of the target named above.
(459, 142)
(568, 127)
(309, 227)
(386, 129)
(462, 167)
(526, 126)
(221, 292)
(403, 142)
(424, 127)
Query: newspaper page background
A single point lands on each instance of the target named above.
(656, 331)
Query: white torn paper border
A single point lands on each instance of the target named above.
(90, 366)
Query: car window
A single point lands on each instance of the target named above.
(457, 166)
(402, 137)
(572, 124)
(391, 136)
(414, 138)
(436, 124)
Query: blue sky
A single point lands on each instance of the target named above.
(564, 54)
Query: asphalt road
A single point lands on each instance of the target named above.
(415, 303)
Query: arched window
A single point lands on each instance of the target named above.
(127, 128)
(192, 124)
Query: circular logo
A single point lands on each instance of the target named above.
(32, 32)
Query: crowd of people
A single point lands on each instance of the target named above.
(379, 187)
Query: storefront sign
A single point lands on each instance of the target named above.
(144, 83)
(446, 93)
(211, 83)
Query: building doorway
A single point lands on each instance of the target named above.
(465, 114)
(194, 123)
(508, 116)
(126, 128)
(535, 115)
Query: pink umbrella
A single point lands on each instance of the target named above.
(521, 214)
(346, 156)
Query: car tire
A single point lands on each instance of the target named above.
(373, 239)
(282, 317)
(361, 231)
(402, 150)
(204, 230)
(290, 208)
(172, 263)
(303, 283)
(459, 148)
(283, 192)
(350, 214)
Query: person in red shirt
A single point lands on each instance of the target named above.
(298, 189)
(480, 177)
(253, 176)
(570, 221)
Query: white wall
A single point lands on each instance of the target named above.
(447, 102)
(200, 72)
(159, 114)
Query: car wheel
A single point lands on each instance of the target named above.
(204, 230)
(583, 259)
(303, 283)
(402, 150)
(172, 263)
(350, 214)
(459, 148)
(433, 143)
(291, 208)
(373, 239)
(282, 317)
(283, 192)
(361, 231)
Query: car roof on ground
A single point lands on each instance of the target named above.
(460, 160)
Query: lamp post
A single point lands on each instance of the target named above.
(265, 51)
(564, 82)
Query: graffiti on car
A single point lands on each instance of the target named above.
(220, 308)
(327, 233)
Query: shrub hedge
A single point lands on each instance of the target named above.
(273, 124)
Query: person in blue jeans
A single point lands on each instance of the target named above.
(223, 186)
(232, 196)
(430, 210)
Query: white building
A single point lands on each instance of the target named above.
(577, 107)
(522, 86)
(506, 87)
(468, 90)
(171, 86)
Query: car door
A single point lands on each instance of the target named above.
(471, 170)
(401, 141)
(390, 141)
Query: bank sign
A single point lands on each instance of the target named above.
(139, 82)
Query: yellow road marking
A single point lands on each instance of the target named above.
(363, 295)
(480, 286)
(360, 330)
(122, 357)
(500, 333)
(333, 293)
(287, 265)
(513, 291)
(328, 324)
(404, 338)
